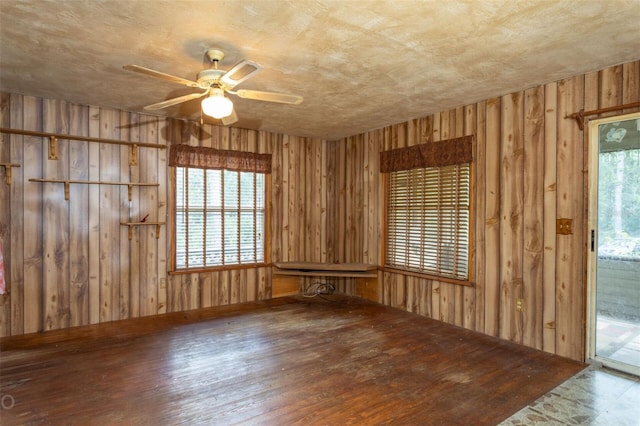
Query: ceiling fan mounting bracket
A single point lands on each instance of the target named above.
(215, 55)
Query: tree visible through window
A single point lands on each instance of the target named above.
(219, 218)
(619, 191)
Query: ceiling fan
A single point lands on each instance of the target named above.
(215, 83)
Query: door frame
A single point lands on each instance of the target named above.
(592, 243)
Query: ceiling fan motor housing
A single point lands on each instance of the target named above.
(209, 78)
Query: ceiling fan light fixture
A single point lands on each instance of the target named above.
(217, 105)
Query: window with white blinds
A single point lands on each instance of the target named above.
(219, 218)
(428, 220)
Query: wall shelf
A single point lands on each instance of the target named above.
(66, 183)
(7, 171)
(54, 137)
(323, 269)
(132, 224)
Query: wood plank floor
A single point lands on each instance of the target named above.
(285, 361)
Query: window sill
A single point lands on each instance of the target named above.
(441, 278)
(217, 269)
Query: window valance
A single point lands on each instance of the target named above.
(433, 154)
(219, 159)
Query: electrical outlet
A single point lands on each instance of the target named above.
(520, 305)
(564, 226)
(163, 283)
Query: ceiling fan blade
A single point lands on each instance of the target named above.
(174, 101)
(239, 73)
(230, 119)
(282, 98)
(161, 75)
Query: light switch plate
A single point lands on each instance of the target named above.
(564, 226)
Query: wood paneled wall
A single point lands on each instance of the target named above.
(70, 262)
(529, 170)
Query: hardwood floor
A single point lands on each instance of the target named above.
(291, 360)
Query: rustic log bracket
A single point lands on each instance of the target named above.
(7, 171)
(580, 115)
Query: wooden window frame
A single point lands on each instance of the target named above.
(449, 152)
(224, 160)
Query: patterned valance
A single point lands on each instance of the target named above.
(219, 159)
(433, 154)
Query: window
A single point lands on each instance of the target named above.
(220, 217)
(428, 198)
(428, 220)
(220, 207)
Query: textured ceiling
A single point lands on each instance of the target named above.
(360, 65)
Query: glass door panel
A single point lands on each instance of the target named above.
(615, 245)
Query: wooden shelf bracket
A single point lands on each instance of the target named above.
(7, 171)
(132, 224)
(133, 155)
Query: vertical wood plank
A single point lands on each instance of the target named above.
(12, 301)
(130, 130)
(468, 306)
(322, 202)
(56, 222)
(630, 83)
(308, 199)
(33, 218)
(332, 205)
(611, 87)
(109, 218)
(175, 283)
(275, 200)
(286, 203)
(458, 303)
(125, 209)
(155, 134)
(569, 261)
(533, 217)
(511, 210)
(297, 199)
(479, 212)
(492, 218)
(341, 195)
(79, 218)
(94, 219)
(372, 209)
(549, 218)
(16, 248)
(354, 173)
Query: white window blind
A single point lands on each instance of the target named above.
(220, 218)
(428, 220)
